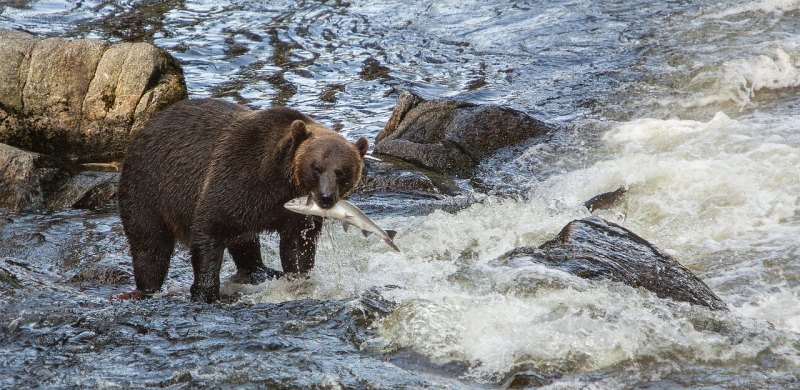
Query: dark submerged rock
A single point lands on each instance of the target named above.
(527, 380)
(449, 136)
(8, 280)
(605, 200)
(329, 94)
(372, 69)
(102, 275)
(596, 249)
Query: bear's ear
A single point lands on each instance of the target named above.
(299, 132)
(362, 144)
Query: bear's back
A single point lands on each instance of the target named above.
(166, 162)
(170, 161)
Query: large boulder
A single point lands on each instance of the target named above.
(449, 136)
(81, 99)
(594, 248)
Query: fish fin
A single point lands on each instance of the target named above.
(366, 233)
(391, 233)
(391, 244)
(309, 200)
(345, 225)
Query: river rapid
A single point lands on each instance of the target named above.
(694, 106)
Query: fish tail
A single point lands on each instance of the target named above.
(391, 234)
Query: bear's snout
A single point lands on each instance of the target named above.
(327, 193)
(326, 200)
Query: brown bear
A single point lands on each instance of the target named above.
(213, 175)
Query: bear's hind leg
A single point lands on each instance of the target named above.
(249, 265)
(151, 249)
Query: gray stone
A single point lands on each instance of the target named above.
(81, 99)
(102, 275)
(32, 181)
(86, 190)
(381, 176)
(451, 137)
(28, 179)
(58, 77)
(16, 50)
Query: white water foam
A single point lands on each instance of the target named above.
(738, 81)
(768, 6)
(694, 188)
(780, 308)
(699, 183)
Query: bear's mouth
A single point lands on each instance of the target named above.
(324, 202)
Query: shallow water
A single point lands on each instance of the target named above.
(693, 106)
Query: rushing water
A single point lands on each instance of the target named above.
(694, 106)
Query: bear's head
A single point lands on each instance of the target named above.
(326, 166)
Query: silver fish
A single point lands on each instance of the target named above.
(345, 212)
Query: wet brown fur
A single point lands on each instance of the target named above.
(308, 151)
(213, 175)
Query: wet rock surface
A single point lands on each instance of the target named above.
(86, 190)
(27, 179)
(32, 181)
(451, 137)
(392, 177)
(596, 249)
(102, 275)
(81, 99)
(605, 200)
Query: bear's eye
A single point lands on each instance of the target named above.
(339, 173)
(317, 169)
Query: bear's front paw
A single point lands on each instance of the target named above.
(204, 294)
(261, 275)
(258, 276)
